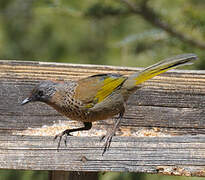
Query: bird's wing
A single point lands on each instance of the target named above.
(94, 89)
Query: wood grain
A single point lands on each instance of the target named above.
(163, 130)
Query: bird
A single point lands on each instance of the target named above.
(98, 97)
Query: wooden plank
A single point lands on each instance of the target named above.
(139, 154)
(63, 175)
(83, 175)
(162, 131)
(58, 175)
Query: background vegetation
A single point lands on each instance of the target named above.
(111, 32)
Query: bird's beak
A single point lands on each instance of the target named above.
(25, 101)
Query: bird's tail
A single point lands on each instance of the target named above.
(158, 68)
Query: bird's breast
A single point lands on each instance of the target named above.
(64, 102)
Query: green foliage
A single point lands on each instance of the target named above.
(23, 175)
(101, 10)
(96, 32)
(141, 176)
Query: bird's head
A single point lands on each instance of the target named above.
(41, 92)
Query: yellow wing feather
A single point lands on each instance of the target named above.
(110, 84)
(94, 89)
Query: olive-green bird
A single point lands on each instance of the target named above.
(98, 97)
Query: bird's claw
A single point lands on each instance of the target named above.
(108, 140)
(103, 137)
(60, 135)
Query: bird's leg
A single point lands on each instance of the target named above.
(87, 126)
(109, 135)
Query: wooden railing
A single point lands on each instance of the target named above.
(162, 130)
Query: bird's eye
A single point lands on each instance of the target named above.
(40, 93)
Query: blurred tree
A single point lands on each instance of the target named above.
(101, 32)
(23, 175)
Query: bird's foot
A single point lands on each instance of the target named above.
(108, 140)
(60, 135)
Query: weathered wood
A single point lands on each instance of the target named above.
(59, 175)
(83, 175)
(134, 154)
(164, 124)
(64, 175)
